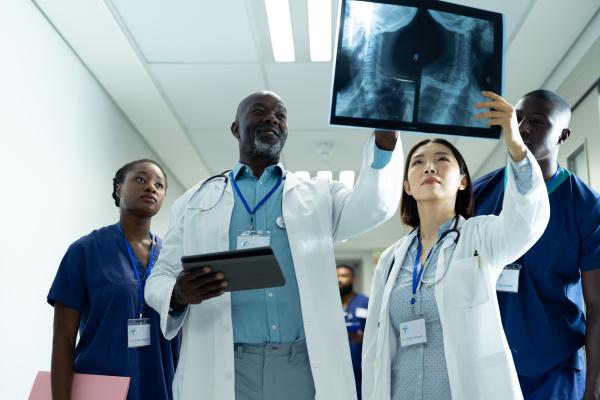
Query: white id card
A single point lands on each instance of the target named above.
(360, 312)
(252, 239)
(138, 332)
(412, 332)
(509, 279)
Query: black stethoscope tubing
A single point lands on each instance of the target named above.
(453, 230)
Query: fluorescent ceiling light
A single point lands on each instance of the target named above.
(319, 29)
(347, 178)
(303, 175)
(280, 29)
(325, 174)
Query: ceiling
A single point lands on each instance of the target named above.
(178, 69)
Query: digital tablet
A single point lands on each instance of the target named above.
(416, 65)
(243, 269)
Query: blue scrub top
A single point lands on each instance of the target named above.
(355, 323)
(97, 279)
(544, 322)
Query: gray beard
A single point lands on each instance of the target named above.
(266, 150)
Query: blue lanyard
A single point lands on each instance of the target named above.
(260, 203)
(134, 264)
(554, 177)
(417, 273)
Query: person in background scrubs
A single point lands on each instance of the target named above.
(540, 294)
(355, 313)
(98, 292)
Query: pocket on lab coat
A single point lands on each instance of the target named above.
(465, 285)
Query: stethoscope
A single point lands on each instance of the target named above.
(440, 239)
(224, 176)
(453, 230)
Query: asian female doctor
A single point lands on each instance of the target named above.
(433, 328)
(98, 292)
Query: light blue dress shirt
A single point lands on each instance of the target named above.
(272, 315)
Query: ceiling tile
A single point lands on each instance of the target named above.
(205, 97)
(189, 31)
(316, 150)
(306, 91)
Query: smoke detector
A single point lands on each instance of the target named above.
(325, 149)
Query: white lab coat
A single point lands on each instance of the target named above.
(317, 213)
(478, 358)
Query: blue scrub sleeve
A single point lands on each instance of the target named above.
(69, 286)
(381, 157)
(589, 233)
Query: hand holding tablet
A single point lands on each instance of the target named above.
(210, 275)
(193, 287)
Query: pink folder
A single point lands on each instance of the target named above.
(85, 387)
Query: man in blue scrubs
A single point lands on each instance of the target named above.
(541, 294)
(355, 313)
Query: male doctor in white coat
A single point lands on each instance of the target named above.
(288, 342)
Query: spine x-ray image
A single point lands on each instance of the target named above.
(412, 64)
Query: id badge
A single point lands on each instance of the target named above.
(412, 332)
(360, 312)
(252, 239)
(509, 279)
(138, 332)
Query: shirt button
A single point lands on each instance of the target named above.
(228, 375)
(375, 365)
(270, 294)
(274, 327)
(226, 328)
(420, 376)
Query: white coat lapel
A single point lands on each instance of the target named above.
(399, 254)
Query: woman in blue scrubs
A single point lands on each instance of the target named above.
(98, 292)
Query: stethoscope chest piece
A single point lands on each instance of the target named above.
(280, 222)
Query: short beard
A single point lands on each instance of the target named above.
(346, 289)
(267, 151)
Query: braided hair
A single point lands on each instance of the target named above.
(121, 172)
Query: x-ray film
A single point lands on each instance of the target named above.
(417, 65)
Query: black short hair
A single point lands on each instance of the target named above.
(559, 104)
(121, 172)
(351, 268)
(464, 206)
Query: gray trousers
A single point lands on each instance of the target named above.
(273, 372)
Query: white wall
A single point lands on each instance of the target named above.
(585, 121)
(585, 126)
(364, 274)
(494, 161)
(61, 140)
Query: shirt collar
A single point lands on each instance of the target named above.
(242, 169)
(446, 226)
